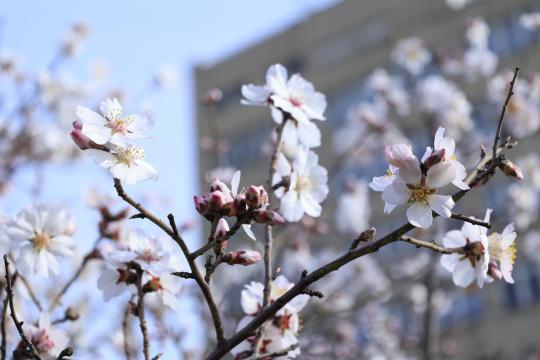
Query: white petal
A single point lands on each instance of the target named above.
(396, 193)
(464, 274)
(420, 215)
(102, 158)
(249, 232)
(440, 175)
(442, 205)
(454, 239)
(235, 182)
(410, 172)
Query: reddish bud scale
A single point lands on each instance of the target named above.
(510, 169)
(243, 257)
(435, 158)
(268, 217)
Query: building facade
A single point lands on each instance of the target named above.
(336, 49)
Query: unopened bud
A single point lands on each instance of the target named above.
(218, 185)
(256, 196)
(494, 271)
(152, 285)
(268, 217)
(435, 158)
(222, 229)
(82, 141)
(243, 257)
(212, 96)
(240, 204)
(511, 169)
(201, 204)
(71, 314)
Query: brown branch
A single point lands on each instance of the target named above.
(277, 354)
(125, 332)
(471, 220)
(426, 244)
(3, 347)
(173, 233)
(268, 238)
(18, 324)
(503, 111)
(141, 315)
(484, 169)
(212, 243)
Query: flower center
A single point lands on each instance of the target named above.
(419, 193)
(303, 183)
(120, 125)
(130, 154)
(296, 101)
(41, 241)
(496, 251)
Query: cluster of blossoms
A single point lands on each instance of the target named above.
(138, 258)
(38, 238)
(416, 182)
(479, 256)
(300, 181)
(282, 331)
(248, 205)
(109, 139)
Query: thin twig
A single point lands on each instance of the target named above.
(173, 233)
(471, 220)
(277, 354)
(125, 332)
(268, 237)
(3, 347)
(483, 170)
(18, 324)
(427, 245)
(141, 315)
(503, 111)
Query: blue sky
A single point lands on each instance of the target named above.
(134, 38)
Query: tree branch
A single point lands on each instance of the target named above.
(503, 111)
(141, 315)
(173, 233)
(471, 220)
(426, 244)
(18, 324)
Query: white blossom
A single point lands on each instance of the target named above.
(530, 21)
(308, 187)
(502, 252)
(39, 235)
(417, 188)
(471, 262)
(448, 145)
(112, 125)
(126, 164)
(411, 54)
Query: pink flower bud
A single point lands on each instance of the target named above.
(78, 138)
(218, 185)
(222, 229)
(201, 204)
(243, 257)
(269, 217)
(494, 271)
(399, 154)
(256, 196)
(435, 158)
(511, 169)
(239, 205)
(216, 200)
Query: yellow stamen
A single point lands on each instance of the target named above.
(41, 241)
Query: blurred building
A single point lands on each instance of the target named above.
(336, 49)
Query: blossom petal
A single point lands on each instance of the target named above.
(442, 205)
(440, 175)
(420, 215)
